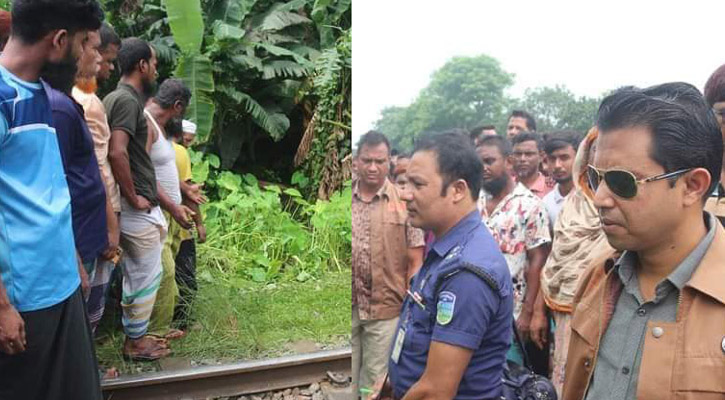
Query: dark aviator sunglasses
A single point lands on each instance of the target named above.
(621, 182)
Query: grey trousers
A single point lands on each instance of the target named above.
(371, 340)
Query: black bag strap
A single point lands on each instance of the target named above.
(520, 343)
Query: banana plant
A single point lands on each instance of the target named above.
(194, 68)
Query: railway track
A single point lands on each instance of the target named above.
(231, 379)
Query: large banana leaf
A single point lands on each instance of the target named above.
(186, 24)
(284, 69)
(274, 123)
(231, 12)
(196, 72)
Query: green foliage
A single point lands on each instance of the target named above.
(470, 91)
(558, 108)
(196, 72)
(267, 234)
(465, 91)
(330, 126)
(186, 24)
(249, 63)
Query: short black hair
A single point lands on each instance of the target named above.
(477, 131)
(132, 51)
(32, 20)
(372, 139)
(170, 91)
(174, 128)
(530, 121)
(108, 37)
(528, 136)
(554, 141)
(456, 159)
(500, 142)
(715, 86)
(685, 133)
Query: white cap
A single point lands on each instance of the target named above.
(188, 127)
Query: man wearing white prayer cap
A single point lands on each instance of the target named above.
(189, 129)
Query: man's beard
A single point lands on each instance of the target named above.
(496, 185)
(562, 181)
(61, 75)
(148, 87)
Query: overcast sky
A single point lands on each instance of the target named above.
(588, 46)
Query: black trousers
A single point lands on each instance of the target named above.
(59, 361)
(186, 280)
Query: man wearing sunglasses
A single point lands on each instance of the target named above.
(650, 325)
(715, 96)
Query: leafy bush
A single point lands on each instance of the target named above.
(267, 234)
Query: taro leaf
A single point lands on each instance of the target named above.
(213, 160)
(229, 181)
(251, 180)
(200, 171)
(258, 274)
(196, 72)
(186, 24)
(273, 188)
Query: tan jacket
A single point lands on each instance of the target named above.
(687, 362)
(389, 254)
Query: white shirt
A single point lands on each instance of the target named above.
(553, 202)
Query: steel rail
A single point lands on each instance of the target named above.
(231, 379)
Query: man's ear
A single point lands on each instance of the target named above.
(697, 182)
(59, 42)
(460, 190)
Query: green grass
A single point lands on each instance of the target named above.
(251, 322)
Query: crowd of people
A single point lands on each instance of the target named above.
(91, 191)
(593, 259)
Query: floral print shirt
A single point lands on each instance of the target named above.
(519, 223)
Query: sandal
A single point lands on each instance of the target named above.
(146, 353)
(172, 334)
(110, 373)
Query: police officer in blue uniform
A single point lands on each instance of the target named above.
(455, 323)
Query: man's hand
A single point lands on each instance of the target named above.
(12, 330)
(381, 390)
(114, 236)
(85, 282)
(201, 231)
(182, 214)
(539, 329)
(195, 194)
(523, 325)
(141, 203)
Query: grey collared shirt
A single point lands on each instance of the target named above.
(620, 352)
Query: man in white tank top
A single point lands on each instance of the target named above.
(169, 103)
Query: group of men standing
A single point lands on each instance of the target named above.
(597, 250)
(88, 185)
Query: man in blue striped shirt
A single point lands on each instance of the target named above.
(46, 351)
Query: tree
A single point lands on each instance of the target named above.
(558, 108)
(252, 66)
(465, 92)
